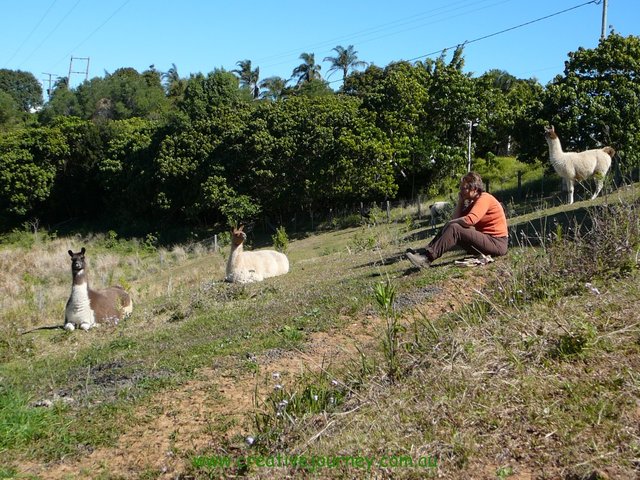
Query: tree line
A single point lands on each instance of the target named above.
(156, 148)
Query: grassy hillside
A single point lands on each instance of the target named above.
(352, 365)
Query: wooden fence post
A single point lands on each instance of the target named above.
(519, 183)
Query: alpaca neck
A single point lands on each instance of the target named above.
(555, 150)
(236, 250)
(80, 278)
(78, 310)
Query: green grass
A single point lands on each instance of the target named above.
(535, 374)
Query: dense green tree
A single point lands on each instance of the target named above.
(29, 160)
(313, 153)
(10, 113)
(194, 154)
(595, 102)
(505, 101)
(76, 192)
(203, 95)
(424, 109)
(23, 87)
(346, 59)
(62, 102)
(317, 87)
(125, 171)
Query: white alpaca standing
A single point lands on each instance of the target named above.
(572, 166)
(247, 267)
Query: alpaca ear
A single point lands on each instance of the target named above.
(70, 253)
(82, 250)
(241, 228)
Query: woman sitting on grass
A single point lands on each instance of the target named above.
(479, 225)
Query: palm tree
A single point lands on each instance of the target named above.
(248, 78)
(345, 60)
(274, 88)
(307, 71)
(174, 85)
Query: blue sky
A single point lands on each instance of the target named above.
(41, 36)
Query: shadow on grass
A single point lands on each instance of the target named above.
(569, 222)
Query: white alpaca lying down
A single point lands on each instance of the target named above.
(247, 267)
(572, 166)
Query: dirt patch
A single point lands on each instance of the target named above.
(213, 410)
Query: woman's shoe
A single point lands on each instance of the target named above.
(418, 260)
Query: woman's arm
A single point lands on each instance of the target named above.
(457, 212)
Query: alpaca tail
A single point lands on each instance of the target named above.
(609, 151)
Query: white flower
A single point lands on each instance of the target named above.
(250, 440)
(592, 289)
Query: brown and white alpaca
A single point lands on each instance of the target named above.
(572, 166)
(255, 266)
(87, 307)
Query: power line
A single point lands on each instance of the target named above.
(484, 37)
(419, 20)
(31, 32)
(94, 31)
(51, 32)
(467, 42)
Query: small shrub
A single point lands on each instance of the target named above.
(280, 240)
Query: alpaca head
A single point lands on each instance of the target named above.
(77, 261)
(550, 133)
(238, 236)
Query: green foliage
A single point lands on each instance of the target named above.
(23, 424)
(604, 246)
(502, 172)
(594, 103)
(10, 114)
(204, 95)
(29, 160)
(23, 88)
(201, 151)
(385, 296)
(281, 240)
(239, 209)
(284, 407)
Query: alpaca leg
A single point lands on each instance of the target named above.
(599, 185)
(570, 190)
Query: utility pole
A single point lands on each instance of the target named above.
(85, 71)
(471, 124)
(49, 82)
(603, 31)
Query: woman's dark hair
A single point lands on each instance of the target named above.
(474, 180)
